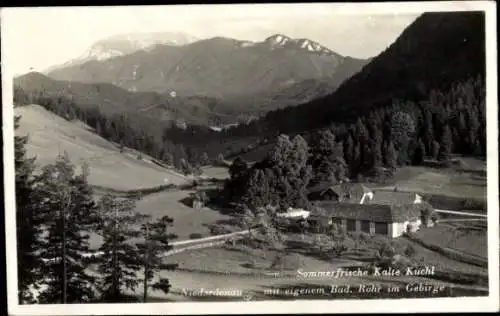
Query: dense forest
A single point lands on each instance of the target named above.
(404, 132)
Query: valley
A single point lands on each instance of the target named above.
(217, 163)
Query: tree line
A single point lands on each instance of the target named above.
(56, 214)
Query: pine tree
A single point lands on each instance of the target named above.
(257, 190)
(419, 155)
(185, 167)
(69, 213)
(152, 250)
(204, 159)
(402, 130)
(326, 157)
(119, 262)
(445, 147)
(340, 164)
(356, 162)
(435, 149)
(179, 156)
(28, 228)
(428, 130)
(349, 150)
(391, 156)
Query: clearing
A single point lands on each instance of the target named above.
(50, 135)
(187, 220)
(469, 237)
(219, 173)
(469, 181)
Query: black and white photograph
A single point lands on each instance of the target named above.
(251, 158)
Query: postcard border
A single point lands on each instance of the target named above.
(490, 303)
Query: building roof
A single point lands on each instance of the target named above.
(370, 212)
(354, 191)
(392, 198)
(319, 187)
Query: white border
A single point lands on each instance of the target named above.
(490, 303)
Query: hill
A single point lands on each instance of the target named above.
(217, 67)
(156, 107)
(50, 135)
(111, 99)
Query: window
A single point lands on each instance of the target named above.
(381, 228)
(365, 226)
(351, 225)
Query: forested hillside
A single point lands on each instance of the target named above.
(423, 96)
(433, 53)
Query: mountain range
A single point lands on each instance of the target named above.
(217, 67)
(215, 82)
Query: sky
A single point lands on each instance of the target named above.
(37, 38)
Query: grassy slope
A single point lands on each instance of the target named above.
(186, 219)
(465, 181)
(216, 172)
(464, 237)
(50, 135)
(447, 182)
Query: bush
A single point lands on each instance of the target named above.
(195, 236)
(434, 217)
(474, 204)
(218, 229)
(386, 250)
(409, 251)
(286, 262)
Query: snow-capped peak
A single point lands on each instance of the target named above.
(125, 44)
(101, 53)
(277, 40)
(282, 41)
(311, 46)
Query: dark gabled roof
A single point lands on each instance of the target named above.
(354, 190)
(340, 188)
(319, 187)
(392, 198)
(333, 189)
(370, 212)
